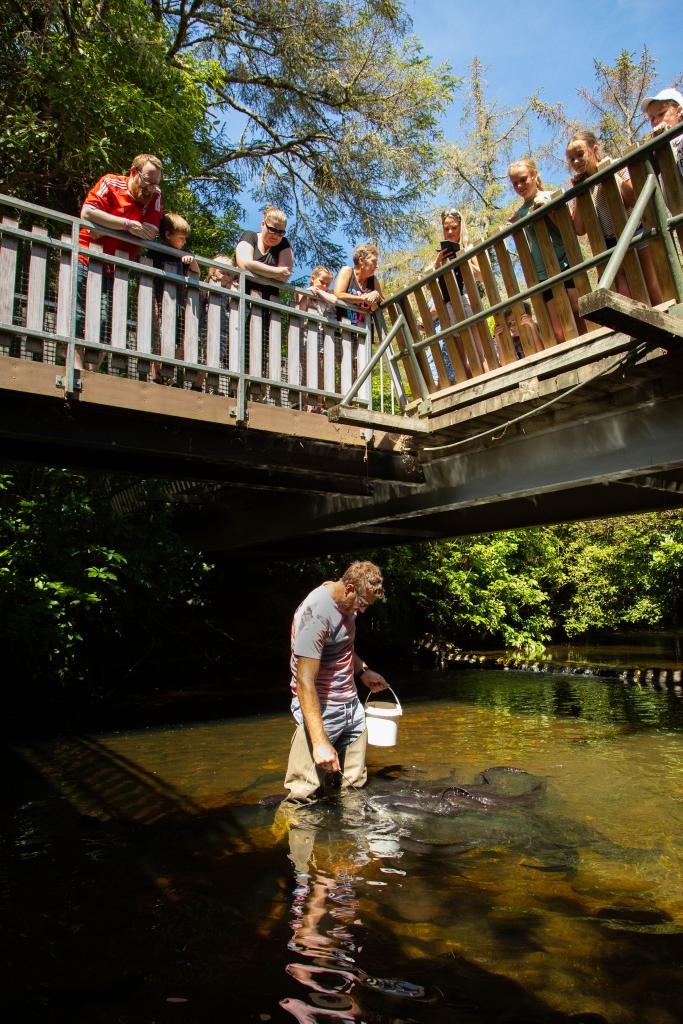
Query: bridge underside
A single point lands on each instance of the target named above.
(584, 431)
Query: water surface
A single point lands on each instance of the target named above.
(144, 882)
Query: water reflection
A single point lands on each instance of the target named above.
(326, 914)
(144, 869)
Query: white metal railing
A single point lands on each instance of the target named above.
(128, 318)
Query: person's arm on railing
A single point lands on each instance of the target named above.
(244, 257)
(366, 300)
(108, 220)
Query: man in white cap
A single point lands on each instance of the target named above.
(664, 111)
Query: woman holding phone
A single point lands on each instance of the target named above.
(454, 241)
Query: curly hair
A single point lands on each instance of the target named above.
(363, 250)
(366, 579)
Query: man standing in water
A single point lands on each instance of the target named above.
(331, 735)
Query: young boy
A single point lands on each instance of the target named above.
(173, 232)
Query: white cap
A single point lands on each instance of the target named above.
(666, 94)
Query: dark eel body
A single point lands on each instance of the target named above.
(450, 801)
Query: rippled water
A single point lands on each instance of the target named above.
(144, 882)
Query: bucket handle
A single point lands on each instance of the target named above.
(371, 693)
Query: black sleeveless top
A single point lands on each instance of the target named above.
(270, 257)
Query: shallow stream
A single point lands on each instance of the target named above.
(144, 882)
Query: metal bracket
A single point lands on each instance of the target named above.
(60, 382)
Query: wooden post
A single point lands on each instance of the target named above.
(655, 246)
(435, 349)
(506, 353)
(190, 340)
(537, 301)
(294, 374)
(169, 312)
(145, 313)
(119, 316)
(35, 301)
(8, 273)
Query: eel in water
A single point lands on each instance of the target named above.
(450, 801)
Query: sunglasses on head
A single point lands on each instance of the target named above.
(451, 213)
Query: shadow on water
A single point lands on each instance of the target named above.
(143, 881)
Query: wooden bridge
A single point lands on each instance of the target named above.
(441, 417)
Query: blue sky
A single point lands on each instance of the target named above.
(538, 46)
(530, 46)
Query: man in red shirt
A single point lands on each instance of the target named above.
(128, 203)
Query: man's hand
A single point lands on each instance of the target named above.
(146, 231)
(374, 681)
(325, 756)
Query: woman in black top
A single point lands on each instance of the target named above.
(267, 252)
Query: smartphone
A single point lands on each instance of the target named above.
(451, 248)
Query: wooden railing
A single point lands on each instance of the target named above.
(127, 318)
(479, 342)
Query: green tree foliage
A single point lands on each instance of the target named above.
(93, 602)
(327, 109)
(620, 572)
(84, 86)
(478, 589)
(336, 105)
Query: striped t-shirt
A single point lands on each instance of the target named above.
(320, 630)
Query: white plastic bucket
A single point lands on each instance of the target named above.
(382, 720)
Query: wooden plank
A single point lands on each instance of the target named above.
(63, 322)
(8, 273)
(507, 271)
(655, 246)
(451, 341)
(93, 302)
(673, 184)
(393, 311)
(481, 330)
(572, 247)
(414, 332)
(234, 335)
(467, 361)
(119, 314)
(362, 360)
(346, 361)
(630, 264)
(169, 312)
(256, 341)
(552, 267)
(35, 300)
(328, 360)
(294, 357)
(214, 311)
(275, 347)
(312, 354)
(37, 275)
(442, 380)
(191, 332)
(537, 301)
(591, 222)
(507, 349)
(145, 309)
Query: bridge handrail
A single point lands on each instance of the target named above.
(310, 359)
(467, 338)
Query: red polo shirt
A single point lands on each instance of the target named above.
(111, 194)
